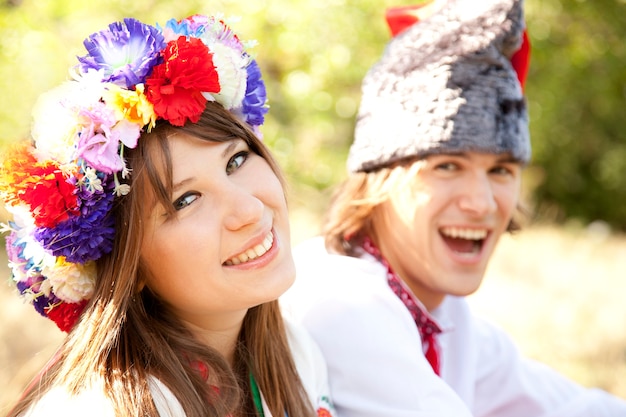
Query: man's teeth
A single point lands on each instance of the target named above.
(252, 253)
(460, 233)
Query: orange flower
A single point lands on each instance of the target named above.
(42, 186)
(15, 171)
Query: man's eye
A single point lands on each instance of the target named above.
(184, 200)
(503, 170)
(446, 166)
(236, 161)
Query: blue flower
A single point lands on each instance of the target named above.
(126, 51)
(255, 101)
(85, 237)
(183, 28)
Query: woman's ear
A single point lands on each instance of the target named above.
(142, 279)
(140, 286)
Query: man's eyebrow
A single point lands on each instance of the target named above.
(509, 159)
(502, 158)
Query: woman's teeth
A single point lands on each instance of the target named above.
(252, 253)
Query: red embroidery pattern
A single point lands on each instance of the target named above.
(322, 412)
(324, 406)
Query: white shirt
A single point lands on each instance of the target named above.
(375, 361)
(94, 403)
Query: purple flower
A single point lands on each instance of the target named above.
(126, 52)
(14, 249)
(254, 103)
(87, 236)
(32, 285)
(198, 22)
(15, 253)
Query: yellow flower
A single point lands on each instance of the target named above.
(130, 105)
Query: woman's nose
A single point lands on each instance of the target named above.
(242, 208)
(477, 196)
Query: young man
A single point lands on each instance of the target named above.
(434, 181)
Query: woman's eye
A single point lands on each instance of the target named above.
(184, 200)
(236, 161)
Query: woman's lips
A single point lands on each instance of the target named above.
(254, 252)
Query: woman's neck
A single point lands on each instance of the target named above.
(219, 332)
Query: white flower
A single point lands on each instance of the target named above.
(121, 189)
(231, 69)
(91, 180)
(34, 252)
(71, 282)
(23, 223)
(45, 288)
(55, 116)
(19, 275)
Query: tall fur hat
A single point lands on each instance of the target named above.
(451, 82)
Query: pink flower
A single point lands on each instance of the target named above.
(100, 137)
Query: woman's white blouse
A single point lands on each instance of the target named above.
(93, 403)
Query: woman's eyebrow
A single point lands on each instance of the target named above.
(182, 183)
(230, 147)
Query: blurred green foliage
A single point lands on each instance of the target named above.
(577, 91)
(314, 54)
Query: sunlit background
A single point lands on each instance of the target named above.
(557, 287)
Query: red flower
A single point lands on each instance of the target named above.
(65, 315)
(175, 87)
(42, 186)
(51, 197)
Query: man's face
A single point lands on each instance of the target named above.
(439, 230)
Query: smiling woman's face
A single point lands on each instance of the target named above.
(226, 248)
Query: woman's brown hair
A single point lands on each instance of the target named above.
(127, 335)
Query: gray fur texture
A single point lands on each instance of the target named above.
(445, 85)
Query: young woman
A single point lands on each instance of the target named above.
(435, 172)
(150, 223)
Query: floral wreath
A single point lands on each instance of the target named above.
(60, 189)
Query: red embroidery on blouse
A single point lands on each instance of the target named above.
(322, 412)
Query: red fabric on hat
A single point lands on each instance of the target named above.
(400, 18)
(521, 60)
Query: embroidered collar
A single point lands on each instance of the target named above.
(426, 324)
